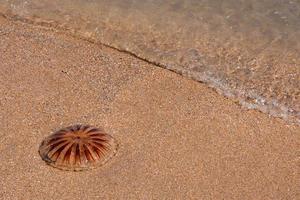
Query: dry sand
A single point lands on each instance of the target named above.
(178, 138)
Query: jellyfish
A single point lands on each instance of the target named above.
(77, 148)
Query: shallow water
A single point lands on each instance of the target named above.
(247, 50)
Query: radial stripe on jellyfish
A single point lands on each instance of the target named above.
(78, 147)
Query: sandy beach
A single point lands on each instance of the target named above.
(178, 138)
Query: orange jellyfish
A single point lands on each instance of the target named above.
(77, 148)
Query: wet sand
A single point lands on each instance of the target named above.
(178, 138)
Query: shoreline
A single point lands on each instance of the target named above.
(241, 59)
